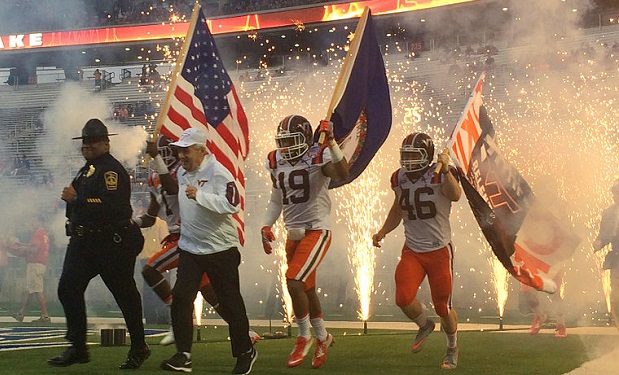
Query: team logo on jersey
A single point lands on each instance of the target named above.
(111, 180)
(202, 182)
(91, 170)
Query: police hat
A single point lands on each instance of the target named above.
(94, 128)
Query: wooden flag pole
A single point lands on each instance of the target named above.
(342, 79)
(177, 69)
(481, 78)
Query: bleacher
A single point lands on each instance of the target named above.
(21, 106)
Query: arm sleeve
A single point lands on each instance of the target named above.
(274, 207)
(224, 198)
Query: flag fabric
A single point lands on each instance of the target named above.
(529, 241)
(203, 96)
(362, 114)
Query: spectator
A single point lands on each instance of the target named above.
(97, 75)
(36, 254)
(144, 75)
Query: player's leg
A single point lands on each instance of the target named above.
(530, 296)
(304, 256)
(409, 274)
(614, 295)
(439, 267)
(164, 260)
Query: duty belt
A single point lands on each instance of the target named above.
(84, 230)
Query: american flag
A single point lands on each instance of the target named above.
(203, 96)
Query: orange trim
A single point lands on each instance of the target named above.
(272, 159)
(394, 179)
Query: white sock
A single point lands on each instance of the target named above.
(452, 339)
(422, 319)
(187, 354)
(304, 326)
(319, 328)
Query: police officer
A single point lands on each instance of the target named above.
(104, 241)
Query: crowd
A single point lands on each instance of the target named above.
(71, 14)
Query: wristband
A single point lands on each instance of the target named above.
(158, 165)
(336, 153)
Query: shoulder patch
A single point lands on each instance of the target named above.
(111, 180)
(318, 157)
(272, 157)
(394, 179)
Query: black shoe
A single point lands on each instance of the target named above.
(245, 362)
(70, 356)
(135, 358)
(179, 362)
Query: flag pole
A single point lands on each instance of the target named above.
(342, 79)
(479, 81)
(179, 64)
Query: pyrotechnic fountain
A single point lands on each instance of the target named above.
(500, 280)
(279, 250)
(361, 204)
(198, 304)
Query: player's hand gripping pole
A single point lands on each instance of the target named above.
(442, 165)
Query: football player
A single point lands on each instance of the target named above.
(609, 235)
(163, 186)
(423, 201)
(301, 171)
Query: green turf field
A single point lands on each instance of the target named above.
(379, 352)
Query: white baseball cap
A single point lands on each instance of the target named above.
(190, 137)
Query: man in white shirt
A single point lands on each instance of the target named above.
(209, 243)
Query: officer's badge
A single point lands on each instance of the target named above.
(91, 170)
(111, 180)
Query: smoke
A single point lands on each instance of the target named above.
(64, 120)
(29, 16)
(605, 353)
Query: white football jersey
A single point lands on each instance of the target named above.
(425, 210)
(305, 189)
(169, 210)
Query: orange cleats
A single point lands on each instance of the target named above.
(322, 349)
(561, 331)
(536, 324)
(254, 337)
(301, 346)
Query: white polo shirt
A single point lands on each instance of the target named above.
(207, 226)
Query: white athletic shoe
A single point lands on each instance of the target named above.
(168, 339)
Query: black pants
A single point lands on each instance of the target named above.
(86, 258)
(223, 270)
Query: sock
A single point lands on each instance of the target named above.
(452, 339)
(422, 319)
(304, 326)
(319, 328)
(187, 354)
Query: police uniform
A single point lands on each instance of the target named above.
(103, 241)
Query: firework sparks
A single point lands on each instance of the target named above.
(279, 249)
(500, 280)
(360, 203)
